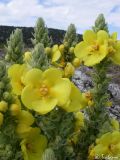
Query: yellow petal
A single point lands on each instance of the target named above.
(55, 48)
(81, 50)
(89, 37)
(23, 130)
(76, 101)
(102, 36)
(52, 75)
(97, 56)
(16, 71)
(61, 91)
(26, 118)
(33, 77)
(17, 87)
(44, 106)
(56, 55)
(29, 95)
(32, 100)
(101, 150)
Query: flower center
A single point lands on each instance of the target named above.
(93, 48)
(44, 90)
(30, 147)
(111, 147)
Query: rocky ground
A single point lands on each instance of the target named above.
(83, 80)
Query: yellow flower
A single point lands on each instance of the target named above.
(108, 145)
(44, 90)
(27, 56)
(25, 120)
(33, 145)
(3, 106)
(114, 49)
(16, 73)
(76, 100)
(93, 48)
(69, 70)
(56, 54)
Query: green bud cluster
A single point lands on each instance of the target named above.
(70, 40)
(58, 136)
(5, 87)
(39, 58)
(14, 48)
(100, 24)
(71, 36)
(41, 34)
(7, 154)
(48, 155)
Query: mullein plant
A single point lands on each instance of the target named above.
(15, 48)
(98, 49)
(45, 102)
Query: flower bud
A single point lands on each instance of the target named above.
(69, 70)
(7, 57)
(3, 106)
(7, 96)
(61, 48)
(15, 109)
(48, 50)
(90, 103)
(76, 62)
(71, 50)
(27, 56)
(66, 44)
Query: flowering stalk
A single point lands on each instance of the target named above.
(14, 48)
(41, 34)
(97, 115)
(70, 40)
(9, 143)
(39, 58)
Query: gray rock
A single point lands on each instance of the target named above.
(82, 79)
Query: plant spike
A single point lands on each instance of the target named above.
(39, 58)
(100, 24)
(41, 34)
(71, 36)
(14, 48)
